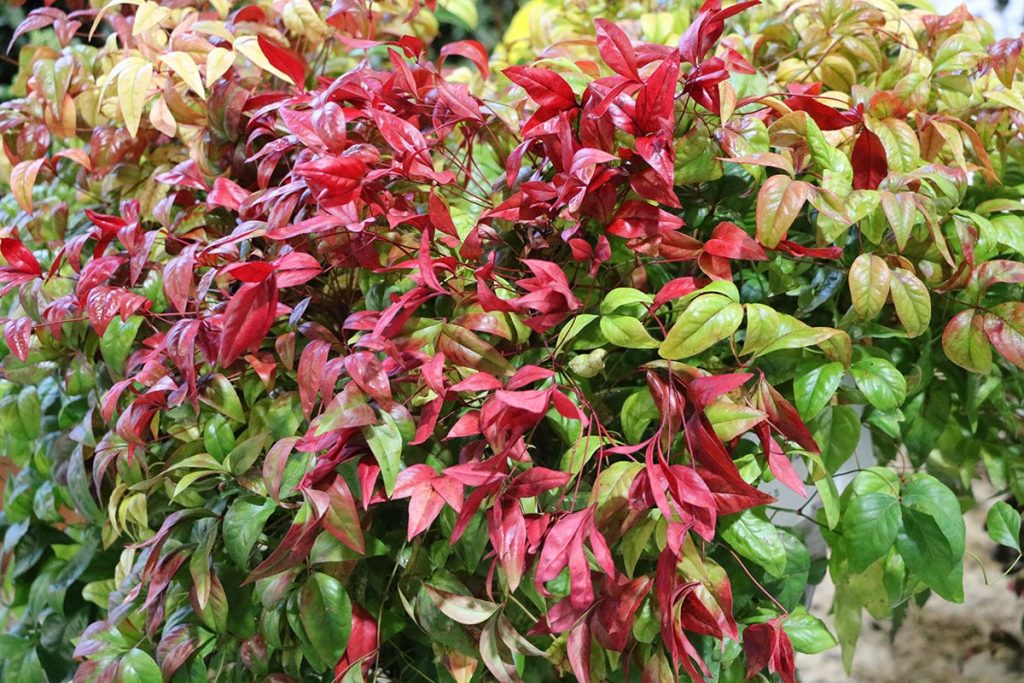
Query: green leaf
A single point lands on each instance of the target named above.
(870, 524)
(880, 382)
(1003, 525)
(757, 540)
(729, 420)
(815, 388)
(638, 411)
(220, 394)
(869, 285)
(242, 457)
(627, 332)
(807, 632)
(116, 343)
(708, 319)
(243, 523)
(624, 296)
(326, 615)
(385, 440)
(928, 557)
(932, 539)
(837, 431)
(912, 301)
(138, 667)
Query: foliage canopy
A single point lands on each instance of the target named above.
(333, 351)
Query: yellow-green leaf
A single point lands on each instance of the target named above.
(709, 319)
(148, 15)
(132, 87)
(627, 332)
(187, 70)
(869, 285)
(912, 301)
(218, 61)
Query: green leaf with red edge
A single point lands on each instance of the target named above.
(779, 202)
(965, 342)
(1004, 327)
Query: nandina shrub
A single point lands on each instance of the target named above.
(332, 353)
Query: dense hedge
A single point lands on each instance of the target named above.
(337, 352)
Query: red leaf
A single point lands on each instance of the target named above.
(707, 28)
(18, 333)
(283, 60)
(471, 50)
(655, 104)
(785, 418)
(869, 162)
(535, 480)
(369, 375)
(732, 242)
(337, 178)
(794, 249)
(226, 193)
(178, 278)
(296, 268)
(703, 390)
(311, 366)
(778, 463)
(544, 87)
(616, 49)
(362, 642)
(827, 118)
(578, 649)
(641, 219)
(247, 319)
(19, 259)
(249, 271)
(341, 518)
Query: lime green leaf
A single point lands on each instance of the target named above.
(807, 632)
(627, 332)
(385, 440)
(1003, 525)
(757, 540)
(138, 667)
(880, 382)
(731, 420)
(464, 609)
(778, 204)
(624, 296)
(707, 320)
(965, 344)
(815, 388)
